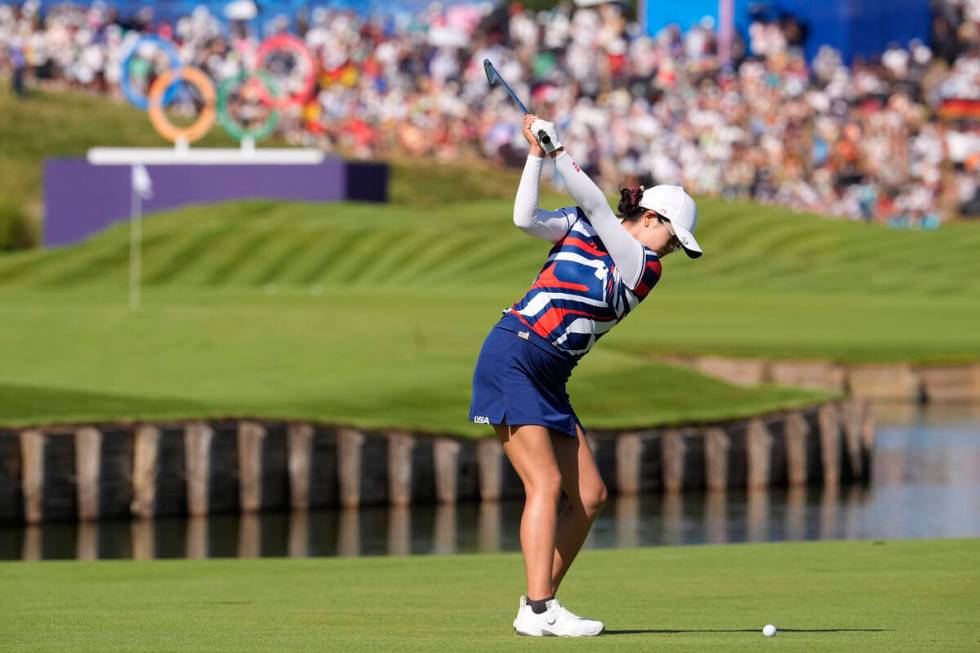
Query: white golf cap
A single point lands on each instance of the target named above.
(678, 207)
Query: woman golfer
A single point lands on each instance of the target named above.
(598, 270)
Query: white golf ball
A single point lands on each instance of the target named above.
(769, 630)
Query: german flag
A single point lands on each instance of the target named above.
(959, 109)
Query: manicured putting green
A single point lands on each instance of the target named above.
(827, 596)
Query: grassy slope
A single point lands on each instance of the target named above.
(832, 596)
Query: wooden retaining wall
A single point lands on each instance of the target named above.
(87, 473)
(878, 381)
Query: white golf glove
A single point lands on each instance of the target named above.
(546, 135)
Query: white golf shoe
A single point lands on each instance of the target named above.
(556, 621)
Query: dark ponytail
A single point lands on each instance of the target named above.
(629, 204)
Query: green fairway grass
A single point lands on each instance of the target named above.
(286, 357)
(829, 596)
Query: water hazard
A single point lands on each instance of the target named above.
(925, 484)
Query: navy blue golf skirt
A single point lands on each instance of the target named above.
(520, 379)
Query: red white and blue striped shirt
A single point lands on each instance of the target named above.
(579, 294)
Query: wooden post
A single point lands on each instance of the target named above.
(867, 432)
(400, 445)
(349, 444)
(629, 453)
(759, 454)
(300, 437)
(488, 456)
(716, 446)
(445, 454)
(32, 469)
(851, 422)
(250, 437)
(197, 456)
(867, 440)
(829, 420)
(146, 449)
(796, 432)
(673, 446)
(88, 460)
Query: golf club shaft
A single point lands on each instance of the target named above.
(513, 95)
(542, 137)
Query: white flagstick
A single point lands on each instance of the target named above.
(140, 188)
(135, 235)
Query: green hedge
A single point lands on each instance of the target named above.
(16, 230)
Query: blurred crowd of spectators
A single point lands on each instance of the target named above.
(894, 140)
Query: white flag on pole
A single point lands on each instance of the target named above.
(142, 184)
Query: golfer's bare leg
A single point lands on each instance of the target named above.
(587, 495)
(530, 451)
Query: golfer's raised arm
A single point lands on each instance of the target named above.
(547, 225)
(626, 251)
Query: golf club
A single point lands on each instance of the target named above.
(493, 77)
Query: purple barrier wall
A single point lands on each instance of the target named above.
(81, 199)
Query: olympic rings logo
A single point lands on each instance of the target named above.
(138, 62)
(287, 43)
(162, 87)
(176, 82)
(249, 87)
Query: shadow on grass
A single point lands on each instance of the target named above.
(744, 630)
